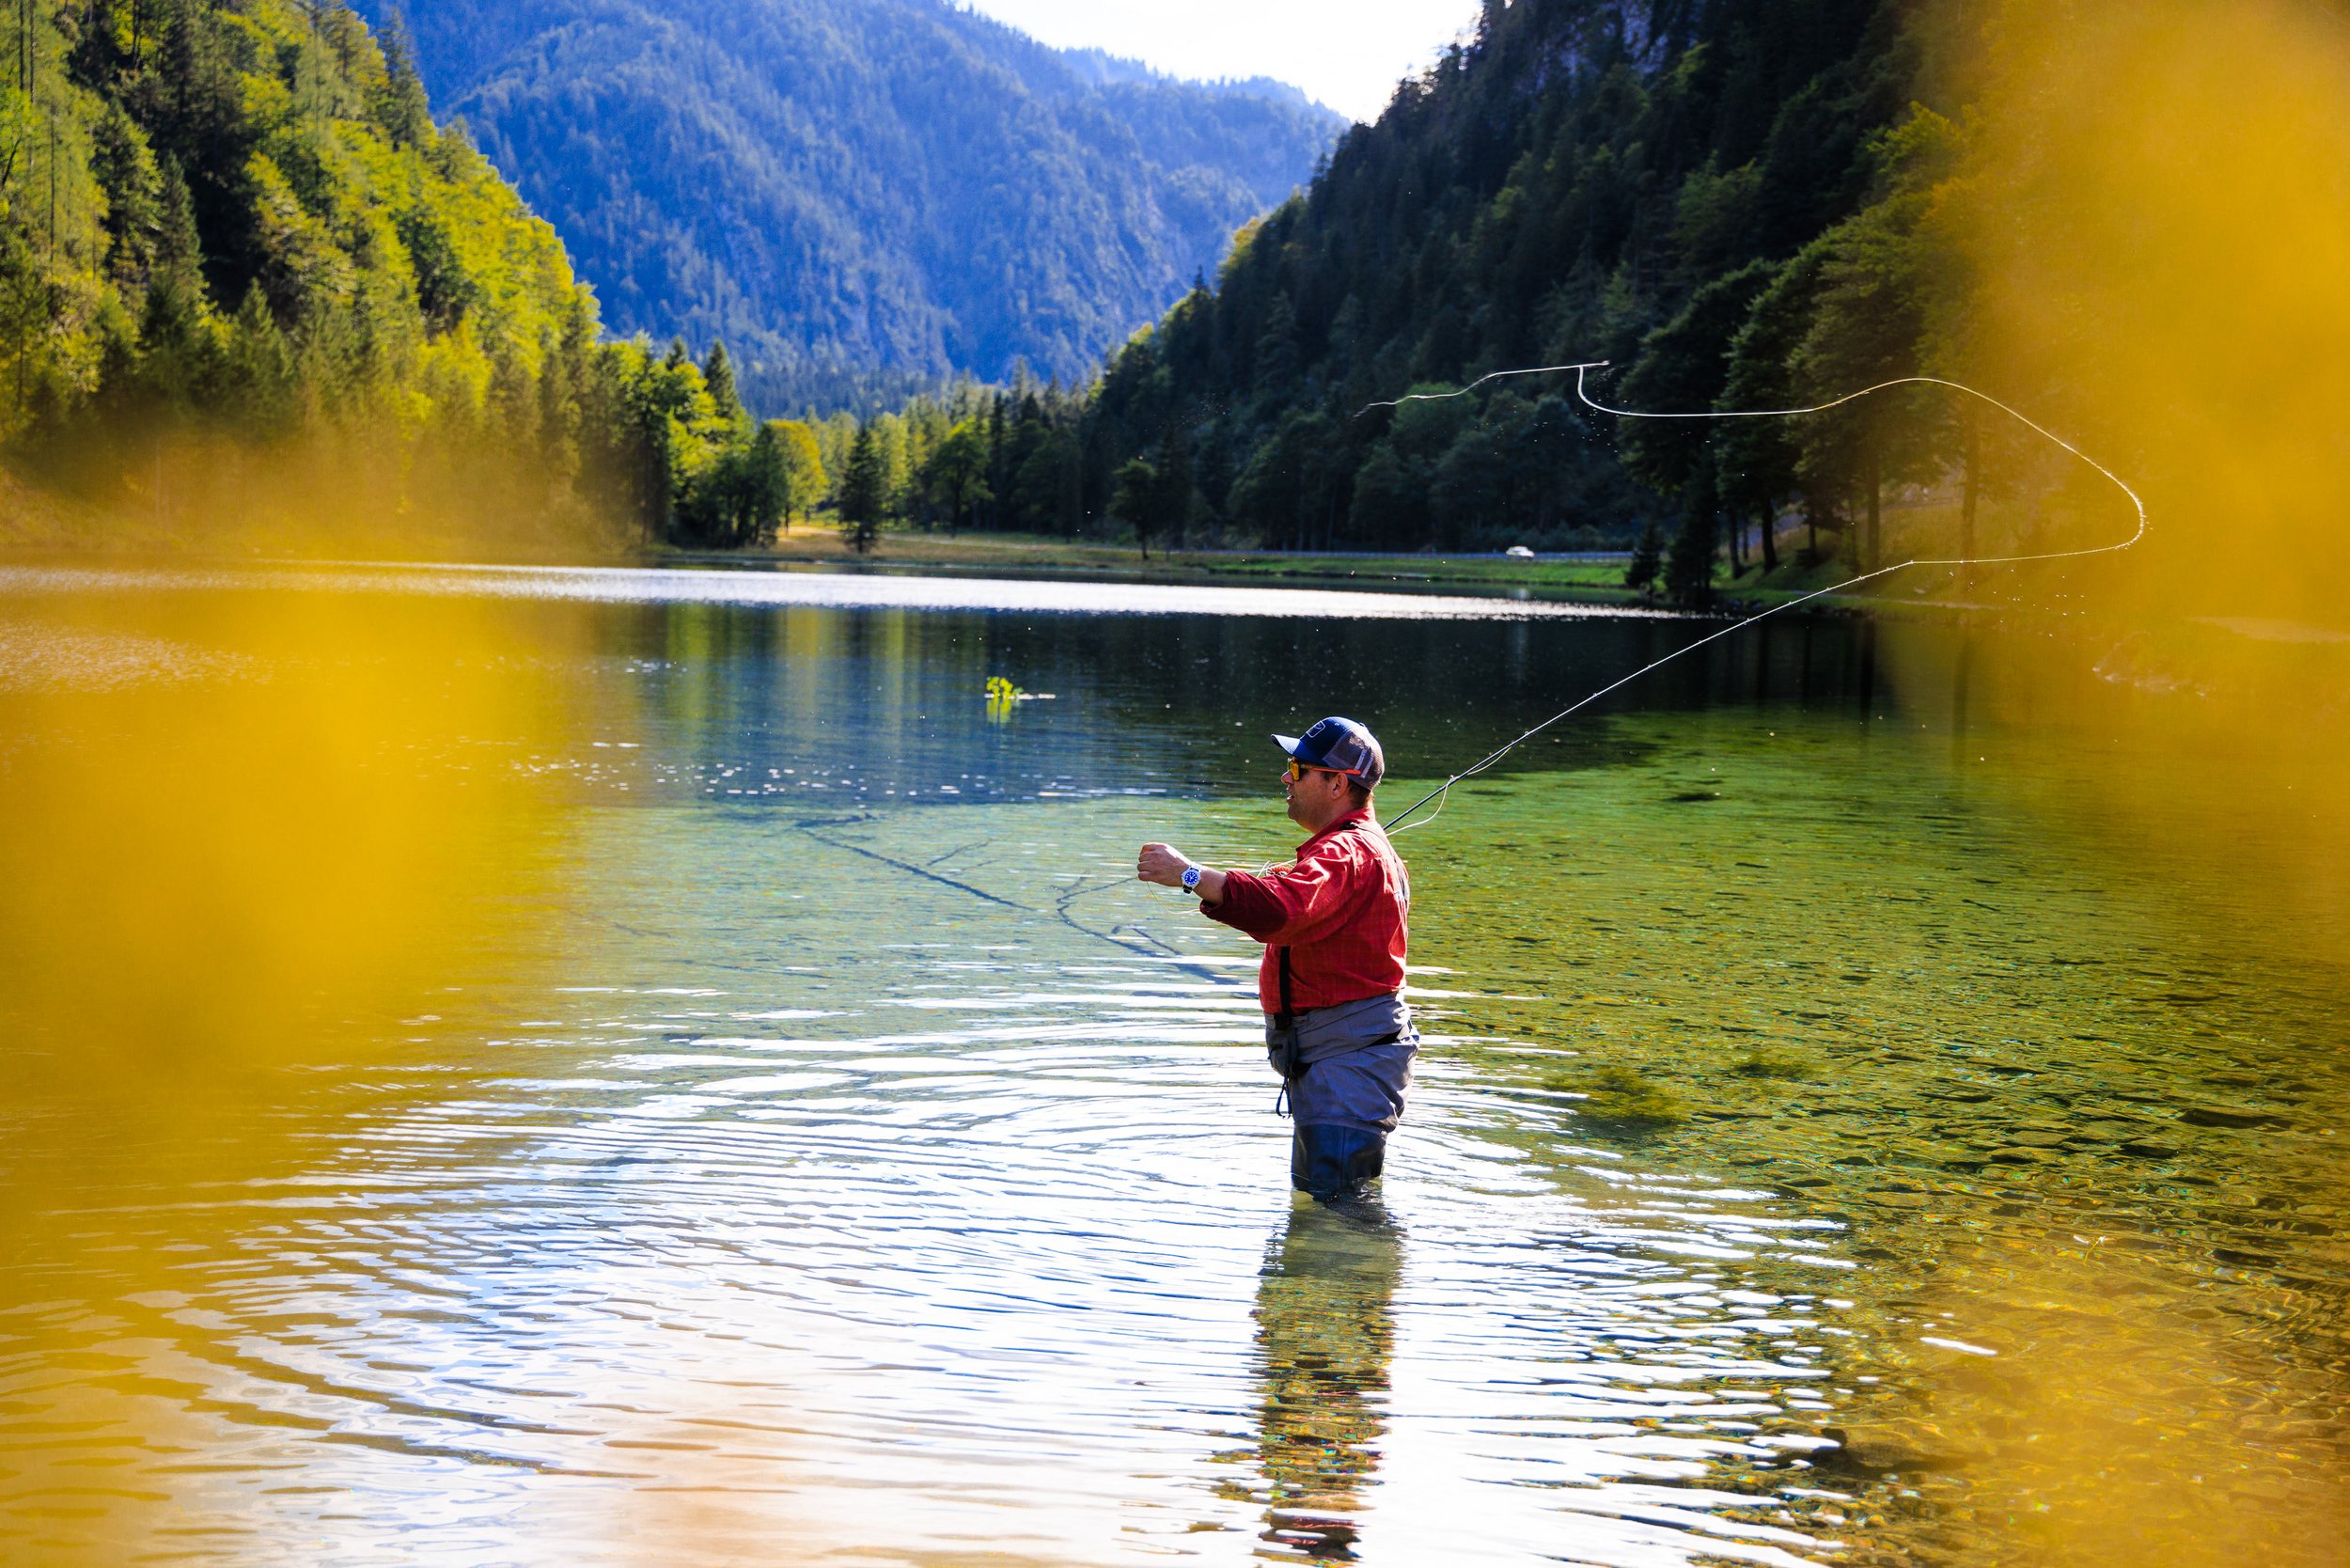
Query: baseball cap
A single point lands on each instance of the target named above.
(1339, 743)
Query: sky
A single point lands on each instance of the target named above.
(1349, 53)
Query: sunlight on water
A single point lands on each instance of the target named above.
(832, 589)
(999, 1192)
(873, 1174)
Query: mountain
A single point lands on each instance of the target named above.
(1653, 182)
(857, 194)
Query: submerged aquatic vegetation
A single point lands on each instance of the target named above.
(2071, 1121)
(1761, 1062)
(1620, 1098)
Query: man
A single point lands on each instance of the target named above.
(1333, 922)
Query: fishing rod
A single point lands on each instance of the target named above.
(1442, 794)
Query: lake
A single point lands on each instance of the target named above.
(521, 1066)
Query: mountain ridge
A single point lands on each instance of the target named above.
(861, 198)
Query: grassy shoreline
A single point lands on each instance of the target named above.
(1579, 579)
(820, 546)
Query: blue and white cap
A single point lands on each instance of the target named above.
(1342, 745)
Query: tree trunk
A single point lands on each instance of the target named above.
(1967, 503)
(1867, 683)
(1738, 546)
(1877, 509)
(1770, 539)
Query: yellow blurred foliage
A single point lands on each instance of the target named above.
(234, 820)
(2155, 224)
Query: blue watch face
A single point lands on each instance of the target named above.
(1191, 876)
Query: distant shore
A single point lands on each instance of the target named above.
(38, 523)
(817, 544)
(1592, 578)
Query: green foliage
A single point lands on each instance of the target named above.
(739, 494)
(718, 378)
(954, 476)
(261, 240)
(241, 271)
(1732, 206)
(1135, 501)
(1878, 277)
(799, 467)
(865, 489)
(1154, 498)
(1682, 368)
(1690, 563)
(1648, 557)
(1757, 462)
(1389, 500)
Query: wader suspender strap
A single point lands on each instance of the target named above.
(1286, 1020)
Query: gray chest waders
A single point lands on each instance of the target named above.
(1326, 1161)
(1282, 1047)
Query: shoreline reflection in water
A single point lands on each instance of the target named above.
(795, 1173)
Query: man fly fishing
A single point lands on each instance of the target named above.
(1334, 925)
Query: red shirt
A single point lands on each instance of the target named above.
(1340, 908)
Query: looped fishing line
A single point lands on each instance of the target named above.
(1442, 794)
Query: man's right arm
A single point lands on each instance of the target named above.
(1296, 903)
(1164, 865)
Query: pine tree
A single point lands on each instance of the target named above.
(1176, 496)
(258, 370)
(718, 376)
(124, 166)
(766, 490)
(399, 106)
(865, 489)
(1646, 558)
(1689, 564)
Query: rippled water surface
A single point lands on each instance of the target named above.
(818, 1150)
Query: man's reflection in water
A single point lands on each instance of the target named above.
(1325, 1326)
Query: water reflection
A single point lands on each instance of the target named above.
(831, 1152)
(1325, 1331)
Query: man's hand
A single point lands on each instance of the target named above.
(1161, 863)
(1165, 865)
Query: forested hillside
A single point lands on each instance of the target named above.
(857, 194)
(1589, 179)
(244, 280)
(1732, 200)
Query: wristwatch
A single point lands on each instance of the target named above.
(1191, 879)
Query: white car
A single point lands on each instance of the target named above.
(1519, 552)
